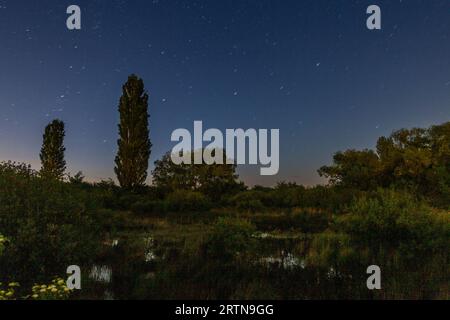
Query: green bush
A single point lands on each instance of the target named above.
(187, 201)
(310, 220)
(251, 201)
(332, 249)
(144, 207)
(50, 225)
(230, 238)
(127, 200)
(272, 221)
(3, 242)
(396, 219)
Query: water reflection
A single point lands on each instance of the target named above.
(108, 295)
(148, 269)
(286, 260)
(149, 245)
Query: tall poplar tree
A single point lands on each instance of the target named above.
(53, 164)
(134, 143)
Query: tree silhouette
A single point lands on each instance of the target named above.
(414, 159)
(53, 164)
(214, 181)
(134, 143)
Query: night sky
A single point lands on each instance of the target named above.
(310, 68)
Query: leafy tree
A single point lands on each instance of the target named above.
(417, 160)
(354, 169)
(78, 178)
(52, 151)
(134, 143)
(405, 156)
(214, 180)
(440, 148)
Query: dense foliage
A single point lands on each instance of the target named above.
(213, 180)
(48, 224)
(417, 160)
(392, 219)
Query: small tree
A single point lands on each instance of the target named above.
(53, 164)
(134, 143)
(78, 178)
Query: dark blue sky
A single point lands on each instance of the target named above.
(310, 68)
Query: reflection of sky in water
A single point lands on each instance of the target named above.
(286, 261)
(149, 254)
(108, 295)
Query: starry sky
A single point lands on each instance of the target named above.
(310, 68)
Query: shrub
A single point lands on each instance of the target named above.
(127, 200)
(272, 221)
(3, 242)
(249, 200)
(188, 201)
(149, 206)
(310, 220)
(396, 219)
(332, 249)
(229, 239)
(49, 224)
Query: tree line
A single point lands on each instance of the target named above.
(416, 159)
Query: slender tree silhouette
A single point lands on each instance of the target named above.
(134, 143)
(52, 151)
